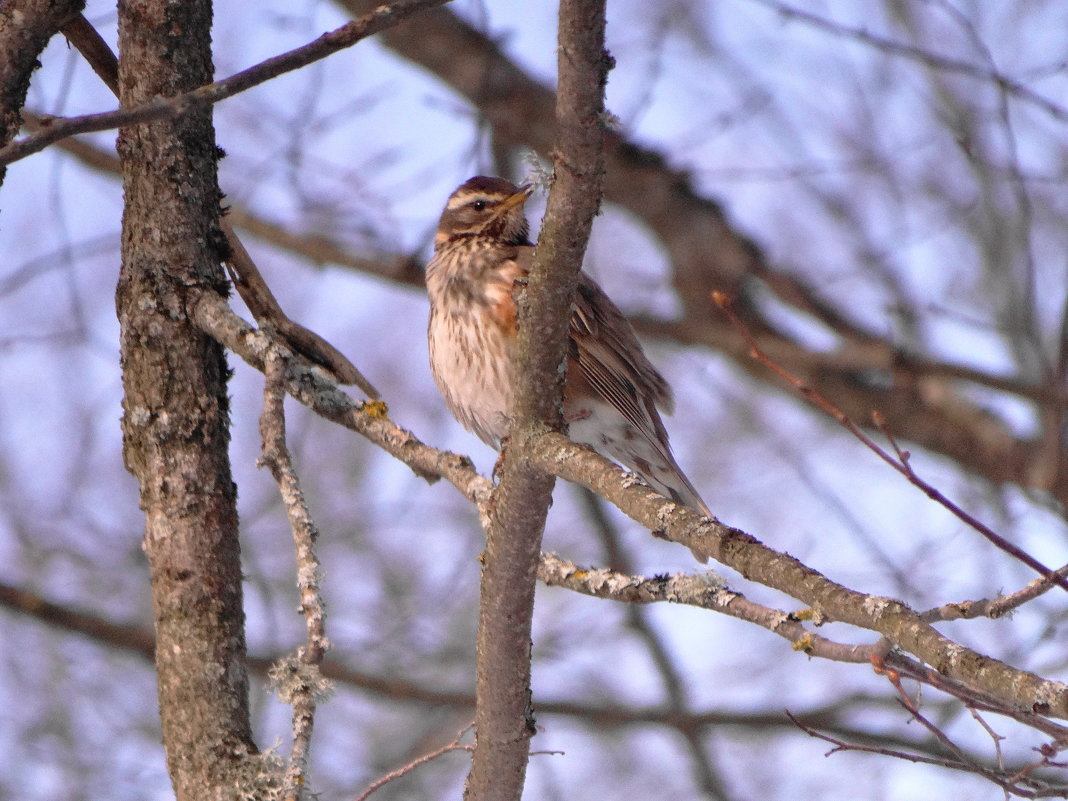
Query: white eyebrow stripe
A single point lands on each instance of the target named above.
(462, 200)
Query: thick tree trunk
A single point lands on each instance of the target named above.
(175, 421)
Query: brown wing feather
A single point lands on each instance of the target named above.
(611, 359)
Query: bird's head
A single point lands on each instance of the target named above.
(486, 207)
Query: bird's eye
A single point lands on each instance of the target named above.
(479, 205)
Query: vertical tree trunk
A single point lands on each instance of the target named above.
(504, 714)
(176, 422)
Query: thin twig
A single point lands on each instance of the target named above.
(257, 295)
(993, 607)
(1004, 780)
(900, 463)
(913, 709)
(944, 63)
(995, 738)
(300, 683)
(455, 745)
(705, 591)
(243, 271)
(160, 108)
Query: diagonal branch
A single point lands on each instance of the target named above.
(215, 317)
(899, 462)
(159, 108)
(701, 591)
(894, 620)
(243, 271)
(25, 28)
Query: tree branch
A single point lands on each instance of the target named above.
(454, 745)
(299, 680)
(321, 395)
(162, 108)
(916, 395)
(899, 462)
(25, 28)
(705, 591)
(504, 720)
(902, 626)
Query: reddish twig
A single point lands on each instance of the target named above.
(455, 745)
(994, 736)
(913, 709)
(1010, 783)
(899, 461)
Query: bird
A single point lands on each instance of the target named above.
(612, 393)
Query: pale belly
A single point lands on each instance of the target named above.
(472, 365)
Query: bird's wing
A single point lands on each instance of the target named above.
(612, 360)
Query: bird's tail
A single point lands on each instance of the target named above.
(669, 480)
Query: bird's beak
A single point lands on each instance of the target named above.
(521, 196)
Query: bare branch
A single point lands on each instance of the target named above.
(167, 108)
(676, 687)
(301, 681)
(894, 620)
(1005, 779)
(267, 310)
(370, 419)
(455, 745)
(25, 28)
(994, 607)
(900, 463)
(706, 591)
(503, 716)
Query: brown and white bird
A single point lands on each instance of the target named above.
(611, 392)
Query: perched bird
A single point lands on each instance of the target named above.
(611, 392)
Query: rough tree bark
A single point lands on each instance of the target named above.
(504, 717)
(176, 422)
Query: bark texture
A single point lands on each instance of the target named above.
(504, 713)
(176, 422)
